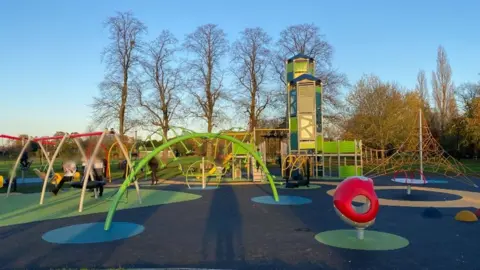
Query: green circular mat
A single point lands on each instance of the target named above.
(300, 187)
(25, 208)
(373, 240)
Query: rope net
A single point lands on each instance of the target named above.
(407, 158)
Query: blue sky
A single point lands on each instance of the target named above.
(50, 61)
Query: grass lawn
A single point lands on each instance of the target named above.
(472, 164)
(7, 165)
(25, 208)
(25, 188)
(170, 171)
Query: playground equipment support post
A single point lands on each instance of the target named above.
(203, 173)
(355, 157)
(420, 140)
(12, 173)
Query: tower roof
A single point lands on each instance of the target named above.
(306, 77)
(300, 56)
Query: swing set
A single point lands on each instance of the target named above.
(87, 183)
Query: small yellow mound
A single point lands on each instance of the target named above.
(466, 216)
(76, 176)
(1, 181)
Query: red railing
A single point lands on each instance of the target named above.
(3, 136)
(71, 136)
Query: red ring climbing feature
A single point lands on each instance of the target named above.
(350, 188)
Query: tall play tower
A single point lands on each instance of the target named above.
(305, 105)
(329, 159)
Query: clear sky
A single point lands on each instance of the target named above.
(50, 63)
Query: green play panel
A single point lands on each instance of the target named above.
(24, 208)
(373, 240)
(300, 187)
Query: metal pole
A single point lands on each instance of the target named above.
(338, 158)
(360, 233)
(361, 156)
(14, 170)
(355, 156)
(109, 160)
(420, 140)
(129, 164)
(203, 172)
(89, 170)
(50, 167)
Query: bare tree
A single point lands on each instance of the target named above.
(106, 108)
(307, 39)
(443, 89)
(271, 123)
(207, 46)
(121, 57)
(251, 58)
(158, 96)
(421, 87)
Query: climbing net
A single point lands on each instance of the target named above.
(420, 147)
(293, 163)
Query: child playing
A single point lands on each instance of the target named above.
(24, 160)
(98, 173)
(69, 169)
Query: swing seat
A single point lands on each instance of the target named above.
(90, 184)
(95, 185)
(291, 185)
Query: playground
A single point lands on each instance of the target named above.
(224, 229)
(279, 198)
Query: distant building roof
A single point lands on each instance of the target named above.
(299, 56)
(306, 76)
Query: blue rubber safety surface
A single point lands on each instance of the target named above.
(226, 230)
(89, 233)
(300, 187)
(437, 181)
(416, 195)
(200, 188)
(31, 180)
(283, 200)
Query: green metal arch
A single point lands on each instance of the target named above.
(144, 161)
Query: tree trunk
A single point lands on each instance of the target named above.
(165, 139)
(253, 117)
(209, 146)
(123, 105)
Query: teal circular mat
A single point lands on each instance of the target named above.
(299, 188)
(283, 200)
(89, 233)
(200, 188)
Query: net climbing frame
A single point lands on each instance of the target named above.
(418, 154)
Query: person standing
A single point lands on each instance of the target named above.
(98, 173)
(153, 163)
